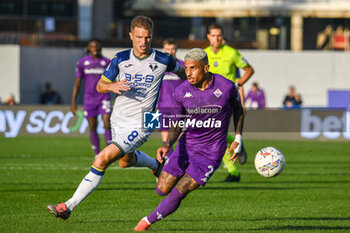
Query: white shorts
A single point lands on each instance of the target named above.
(128, 137)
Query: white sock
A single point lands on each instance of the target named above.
(87, 186)
(143, 160)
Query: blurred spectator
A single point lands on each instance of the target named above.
(340, 39)
(10, 100)
(255, 97)
(49, 96)
(324, 38)
(292, 99)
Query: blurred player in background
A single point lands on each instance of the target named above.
(135, 75)
(199, 151)
(255, 98)
(90, 68)
(170, 82)
(227, 61)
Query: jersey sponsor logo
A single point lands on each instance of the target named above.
(139, 80)
(204, 109)
(188, 95)
(218, 93)
(151, 120)
(153, 66)
(94, 71)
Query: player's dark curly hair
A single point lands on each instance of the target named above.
(99, 47)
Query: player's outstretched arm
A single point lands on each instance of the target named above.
(173, 135)
(116, 87)
(238, 121)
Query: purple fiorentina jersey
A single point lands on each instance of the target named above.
(91, 70)
(169, 83)
(209, 114)
(255, 99)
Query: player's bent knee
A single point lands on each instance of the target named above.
(163, 190)
(100, 162)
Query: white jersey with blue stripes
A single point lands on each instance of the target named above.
(145, 76)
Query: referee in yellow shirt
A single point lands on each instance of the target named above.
(227, 61)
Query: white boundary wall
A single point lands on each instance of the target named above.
(312, 72)
(9, 71)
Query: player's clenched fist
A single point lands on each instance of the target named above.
(161, 152)
(120, 86)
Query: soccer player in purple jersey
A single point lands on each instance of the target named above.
(208, 100)
(169, 83)
(90, 68)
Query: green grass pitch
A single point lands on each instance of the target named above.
(311, 195)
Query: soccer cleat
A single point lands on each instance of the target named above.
(157, 172)
(242, 157)
(231, 178)
(60, 211)
(143, 225)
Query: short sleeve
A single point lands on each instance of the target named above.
(240, 61)
(173, 66)
(235, 98)
(178, 109)
(111, 72)
(79, 70)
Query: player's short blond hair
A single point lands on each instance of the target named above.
(197, 54)
(142, 21)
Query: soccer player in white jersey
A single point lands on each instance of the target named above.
(135, 75)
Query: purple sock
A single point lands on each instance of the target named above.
(160, 193)
(108, 136)
(167, 206)
(95, 142)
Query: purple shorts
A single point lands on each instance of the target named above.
(199, 168)
(94, 109)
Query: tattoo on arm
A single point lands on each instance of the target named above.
(174, 133)
(238, 119)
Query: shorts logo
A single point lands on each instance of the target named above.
(151, 120)
(218, 93)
